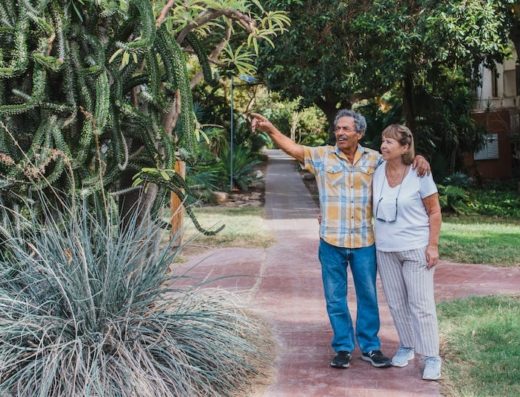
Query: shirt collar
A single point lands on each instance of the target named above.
(359, 152)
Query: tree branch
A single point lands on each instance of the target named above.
(213, 56)
(170, 118)
(166, 9)
(247, 23)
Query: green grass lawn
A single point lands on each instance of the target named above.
(480, 339)
(245, 227)
(480, 240)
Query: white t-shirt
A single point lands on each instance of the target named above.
(411, 228)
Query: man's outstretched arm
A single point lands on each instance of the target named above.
(283, 142)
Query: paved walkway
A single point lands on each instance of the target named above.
(283, 283)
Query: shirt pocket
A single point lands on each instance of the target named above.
(334, 175)
(365, 174)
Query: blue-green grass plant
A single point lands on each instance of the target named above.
(90, 308)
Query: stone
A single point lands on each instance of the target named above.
(220, 197)
(257, 185)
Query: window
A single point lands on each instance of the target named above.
(510, 88)
(517, 79)
(490, 149)
(494, 83)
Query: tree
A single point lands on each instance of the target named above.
(338, 53)
(511, 10)
(317, 59)
(419, 44)
(92, 92)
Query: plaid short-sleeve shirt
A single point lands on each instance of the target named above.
(345, 191)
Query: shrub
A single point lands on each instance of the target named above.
(87, 308)
(495, 201)
(244, 163)
(453, 199)
(458, 179)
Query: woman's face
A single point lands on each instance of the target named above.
(391, 149)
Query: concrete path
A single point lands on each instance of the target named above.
(283, 283)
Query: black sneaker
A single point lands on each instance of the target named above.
(342, 360)
(376, 358)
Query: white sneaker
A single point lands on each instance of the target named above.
(432, 368)
(402, 356)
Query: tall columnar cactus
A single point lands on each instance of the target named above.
(93, 91)
(82, 86)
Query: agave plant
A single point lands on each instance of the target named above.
(88, 308)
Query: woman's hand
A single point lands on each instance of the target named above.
(432, 255)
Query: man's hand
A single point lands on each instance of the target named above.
(421, 166)
(432, 255)
(261, 123)
(283, 142)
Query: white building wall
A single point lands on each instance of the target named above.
(505, 80)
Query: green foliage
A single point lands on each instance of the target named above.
(81, 58)
(93, 91)
(170, 180)
(315, 59)
(90, 307)
(307, 126)
(243, 162)
(214, 175)
(481, 330)
(458, 179)
(500, 201)
(426, 54)
(489, 201)
(453, 198)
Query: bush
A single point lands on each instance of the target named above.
(244, 163)
(87, 308)
(497, 200)
(453, 199)
(458, 179)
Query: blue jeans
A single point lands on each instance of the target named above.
(334, 261)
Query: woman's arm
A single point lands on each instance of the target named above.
(433, 209)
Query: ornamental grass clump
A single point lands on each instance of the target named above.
(88, 308)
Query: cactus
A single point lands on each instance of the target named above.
(81, 88)
(195, 44)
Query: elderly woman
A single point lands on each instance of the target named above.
(407, 226)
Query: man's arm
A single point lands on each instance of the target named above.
(283, 142)
(421, 165)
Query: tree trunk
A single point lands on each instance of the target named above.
(515, 38)
(408, 101)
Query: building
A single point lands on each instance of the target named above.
(498, 111)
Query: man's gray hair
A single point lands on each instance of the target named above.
(359, 120)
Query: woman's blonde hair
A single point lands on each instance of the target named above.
(404, 136)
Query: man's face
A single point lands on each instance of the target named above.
(347, 137)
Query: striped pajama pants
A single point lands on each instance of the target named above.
(408, 286)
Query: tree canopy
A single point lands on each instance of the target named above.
(339, 52)
(426, 54)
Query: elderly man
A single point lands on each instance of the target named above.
(344, 176)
